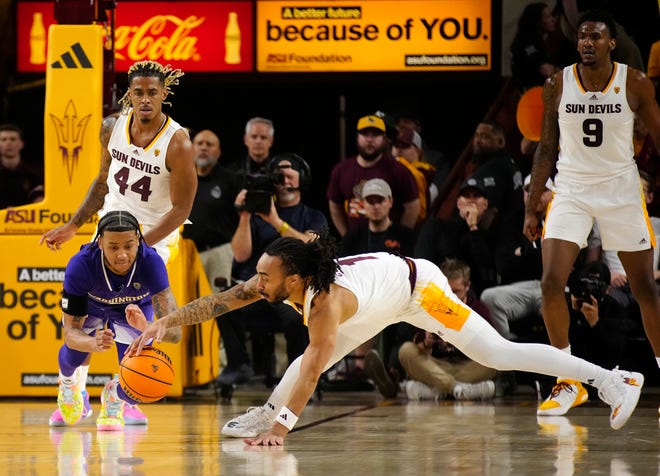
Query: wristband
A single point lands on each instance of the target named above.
(282, 229)
(286, 418)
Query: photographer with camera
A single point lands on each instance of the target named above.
(599, 325)
(269, 207)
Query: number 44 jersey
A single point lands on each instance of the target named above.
(138, 179)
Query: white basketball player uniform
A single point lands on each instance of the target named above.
(391, 289)
(138, 179)
(597, 178)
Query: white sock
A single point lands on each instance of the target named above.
(70, 379)
(112, 389)
(566, 350)
(82, 377)
(657, 359)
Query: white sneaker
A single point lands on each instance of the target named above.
(250, 424)
(621, 392)
(474, 391)
(416, 390)
(565, 395)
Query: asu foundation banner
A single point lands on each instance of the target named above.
(31, 275)
(373, 35)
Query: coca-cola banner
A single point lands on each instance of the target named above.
(193, 36)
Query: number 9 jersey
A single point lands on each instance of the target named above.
(595, 129)
(138, 179)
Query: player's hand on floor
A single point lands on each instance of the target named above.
(265, 439)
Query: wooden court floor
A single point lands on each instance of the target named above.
(347, 433)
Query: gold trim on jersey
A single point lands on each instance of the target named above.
(160, 133)
(578, 79)
(649, 226)
(162, 130)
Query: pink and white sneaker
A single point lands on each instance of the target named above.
(56, 417)
(134, 416)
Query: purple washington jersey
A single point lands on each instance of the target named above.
(108, 294)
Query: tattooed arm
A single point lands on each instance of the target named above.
(199, 310)
(545, 155)
(163, 304)
(94, 199)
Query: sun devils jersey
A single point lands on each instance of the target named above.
(595, 129)
(138, 179)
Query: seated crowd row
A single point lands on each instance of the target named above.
(376, 205)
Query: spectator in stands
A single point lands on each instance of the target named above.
(502, 180)
(258, 139)
(521, 297)
(19, 183)
(372, 161)
(435, 157)
(286, 216)
(436, 368)
(538, 49)
(467, 236)
(213, 216)
(379, 234)
(407, 149)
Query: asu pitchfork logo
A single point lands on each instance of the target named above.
(70, 134)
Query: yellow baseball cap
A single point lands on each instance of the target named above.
(367, 122)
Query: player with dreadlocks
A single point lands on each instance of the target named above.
(112, 289)
(346, 301)
(147, 165)
(147, 168)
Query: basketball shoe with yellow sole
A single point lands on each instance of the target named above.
(565, 395)
(70, 401)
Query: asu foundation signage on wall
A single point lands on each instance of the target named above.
(378, 35)
(193, 36)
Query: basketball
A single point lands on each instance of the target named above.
(529, 113)
(146, 377)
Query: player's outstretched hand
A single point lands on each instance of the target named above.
(154, 332)
(136, 317)
(265, 439)
(55, 237)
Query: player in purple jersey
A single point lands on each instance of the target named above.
(112, 288)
